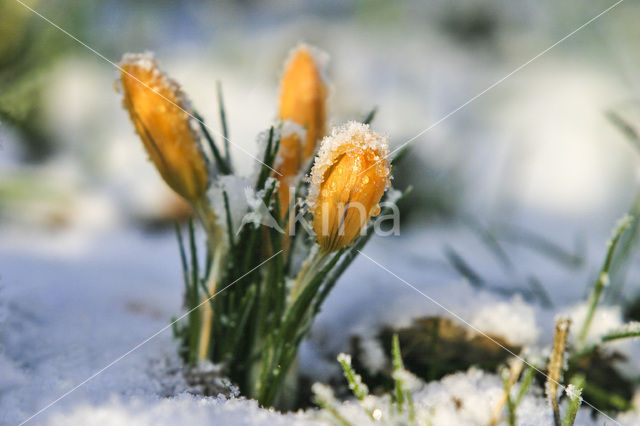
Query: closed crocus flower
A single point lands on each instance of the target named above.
(303, 97)
(158, 109)
(349, 176)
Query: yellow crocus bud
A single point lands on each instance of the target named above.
(303, 94)
(349, 176)
(303, 98)
(158, 109)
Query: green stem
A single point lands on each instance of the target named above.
(575, 400)
(282, 345)
(207, 317)
(398, 366)
(310, 268)
(216, 245)
(603, 278)
(594, 298)
(525, 384)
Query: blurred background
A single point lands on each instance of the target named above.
(539, 141)
(546, 160)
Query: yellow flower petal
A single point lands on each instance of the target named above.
(303, 96)
(348, 179)
(157, 106)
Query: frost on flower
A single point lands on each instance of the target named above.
(349, 176)
(351, 136)
(159, 111)
(319, 57)
(289, 130)
(303, 102)
(292, 128)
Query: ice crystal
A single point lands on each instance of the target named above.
(352, 135)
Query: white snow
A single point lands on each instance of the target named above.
(181, 409)
(69, 312)
(573, 392)
(606, 318)
(144, 61)
(514, 320)
(239, 194)
(289, 128)
(372, 356)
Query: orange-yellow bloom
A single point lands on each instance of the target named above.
(303, 96)
(157, 107)
(350, 174)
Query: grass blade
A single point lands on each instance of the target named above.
(463, 268)
(628, 331)
(220, 162)
(574, 393)
(603, 277)
(223, 123)
(369, 117)
(556, 366)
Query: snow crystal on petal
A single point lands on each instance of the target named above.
(147, 62)
(290, 127)
(144, 60)
(352, 134)
(319, 56)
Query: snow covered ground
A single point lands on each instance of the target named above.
(74, 303)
